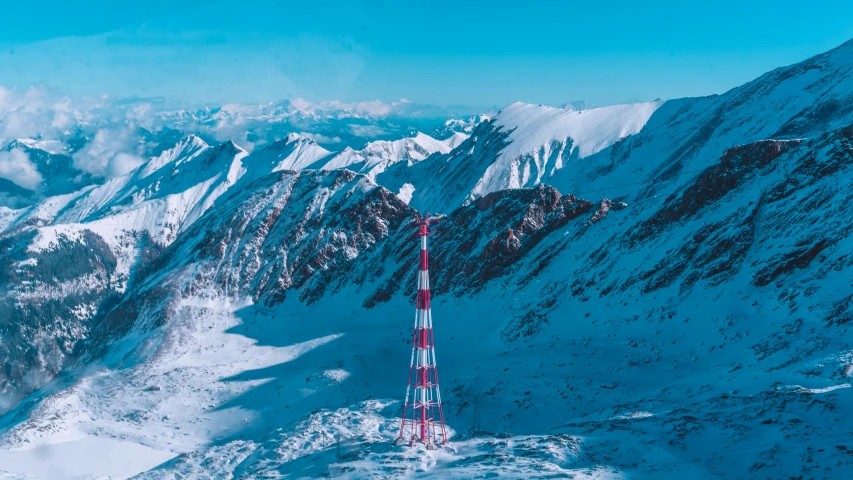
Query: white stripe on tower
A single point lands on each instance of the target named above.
(423, 280)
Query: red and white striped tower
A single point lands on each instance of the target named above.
(423, 416)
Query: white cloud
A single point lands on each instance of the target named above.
(302, 104)
(17, 167)
(64, 115)
(111, 153)
(320, 138)
(13, 202)
(142, 114)
(29, 113)
(406, 192)
(368, 131)
(123, 163)
(376, 107)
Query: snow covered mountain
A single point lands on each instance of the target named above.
(51, 144)
(678, 307)
(455, 125)
(377, 156)
(298, 152)
(68, 255)
(522, 146)
(334, 124)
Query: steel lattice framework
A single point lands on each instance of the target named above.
(423, 418)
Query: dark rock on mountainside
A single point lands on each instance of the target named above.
(736, 166)
(49, 301)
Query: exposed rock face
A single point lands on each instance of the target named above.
(737, 165)
(317, 232)
(604, 207)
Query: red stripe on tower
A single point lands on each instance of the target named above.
(423, 300)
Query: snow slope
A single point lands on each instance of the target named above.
(456, 125)
(533, 126)
(686, 135)
(522, 146)
(198, 375)
(541, 139)
(160, 197)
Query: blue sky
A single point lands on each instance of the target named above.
(443, 52)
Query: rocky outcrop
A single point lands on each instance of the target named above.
(736, 166)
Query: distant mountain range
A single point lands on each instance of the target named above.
(96, 140)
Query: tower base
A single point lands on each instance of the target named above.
(400, 442)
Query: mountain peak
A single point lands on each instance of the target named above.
(186, 147)
(296, 137)
(229, 147)
(52, 147)
(422, 136)
(295, 152)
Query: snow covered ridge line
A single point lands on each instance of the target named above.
(301, 152)
(535, 126)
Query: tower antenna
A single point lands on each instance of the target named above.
(423, 417)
